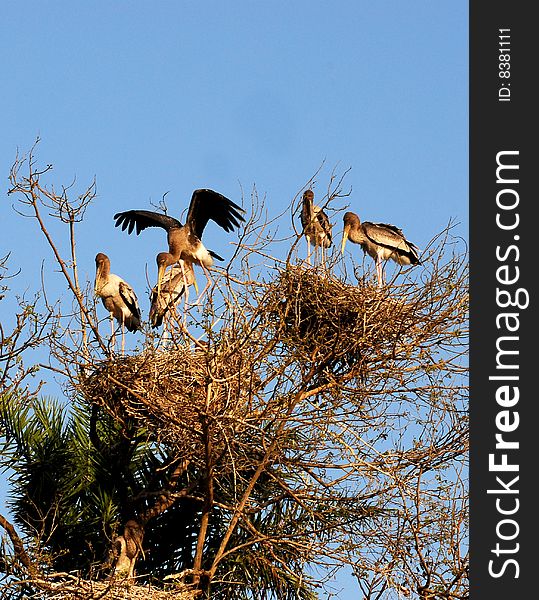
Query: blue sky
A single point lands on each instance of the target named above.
(156, 97)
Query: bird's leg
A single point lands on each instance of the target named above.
(123, 338)
(112, 333)
(167, 328)
(186, 292)
(319, 256)
(185, 285)
(308, 251)
(380, 271)
(209, 281)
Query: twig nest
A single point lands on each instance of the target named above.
(63, 586)
(182, 397)
(327, 320)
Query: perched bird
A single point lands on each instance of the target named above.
(316, 225)
(380, 241)
(171, 289)
(184, 241)
(126, 550)
(117, 295)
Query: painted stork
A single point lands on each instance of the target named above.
(118, 297)
(316, 225)
(184, 241)
(380, 241)
(170, 288)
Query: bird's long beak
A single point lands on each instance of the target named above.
(195, 283)
(97, 285)
(344, 238)
(160, 275)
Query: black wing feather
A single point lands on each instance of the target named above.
(325, 223)
(130, 299)
(159, 309)
(413, 254)
(141, 219)
(216, 256)
(132, 321)
(393, 228)
(207, 204)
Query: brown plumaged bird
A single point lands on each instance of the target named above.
(171, 290)
(127, 548)
(316, 224)
(381, 242)
(185, 241)
(118, 297)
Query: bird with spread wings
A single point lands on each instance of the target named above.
(185, 241)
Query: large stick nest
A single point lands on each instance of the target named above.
(184, 396)
(70, 587)
(338, 325)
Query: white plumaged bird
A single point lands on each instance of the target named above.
(118, 297)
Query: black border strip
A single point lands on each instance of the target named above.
(504, 398)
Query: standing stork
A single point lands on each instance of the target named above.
(316, 225)
(118, 297)
(380, 241)
(184, 241)
(170, 288)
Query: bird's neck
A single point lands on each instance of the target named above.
(176, 242)
(171, 259)
(308, 205)
(104, 271)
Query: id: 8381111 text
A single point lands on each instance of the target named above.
(504, 64)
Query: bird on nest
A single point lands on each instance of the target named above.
(380, 241)
(185, 241)
(173, 288)
(118, 297)
(316, 224)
